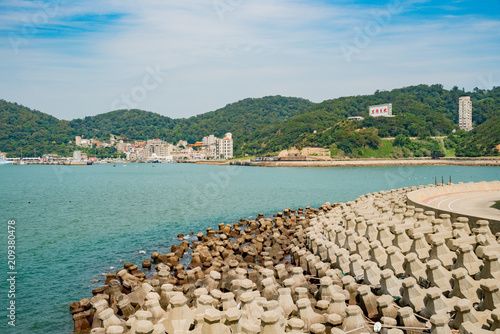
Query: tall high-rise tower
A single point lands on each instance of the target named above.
(465, 113)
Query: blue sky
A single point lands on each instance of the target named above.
(180, 58)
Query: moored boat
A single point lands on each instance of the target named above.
(5, 162)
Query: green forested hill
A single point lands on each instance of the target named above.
(481, 141)
(34, 131)
(270, 124)
(241, 118)
(131, 124)
(31, 131)
(420, 111)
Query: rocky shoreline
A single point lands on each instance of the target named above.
(375, 264)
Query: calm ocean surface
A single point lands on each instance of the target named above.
(73, 223)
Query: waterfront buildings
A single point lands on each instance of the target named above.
(465, 113)
(224, 148)
(158, 149)
(121, 147)
(53, 158)
(82, 142)
(77, 156)
(218, 148)
(79, 141)
(209, 140)
(210, 147)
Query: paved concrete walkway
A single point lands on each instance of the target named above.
(473, 203)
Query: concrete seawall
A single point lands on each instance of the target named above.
(470, 200)
(373, 162)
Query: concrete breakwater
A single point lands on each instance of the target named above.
(376, 264)
(470, 200)
(373, 162)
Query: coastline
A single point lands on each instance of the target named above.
(494, 161)
(371, 162)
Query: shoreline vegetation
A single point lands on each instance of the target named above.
(486, 161)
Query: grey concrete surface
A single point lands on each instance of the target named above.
(470, 200)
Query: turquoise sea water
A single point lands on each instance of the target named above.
(73, 223)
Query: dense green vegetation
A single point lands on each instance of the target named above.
(31, 131)
(241, 118)
(270, 124)
(344, 136)
(34, 132)
(483, 140)
(420, 111)
(130, 124)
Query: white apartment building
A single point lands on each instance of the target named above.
(82, 142)
(210, 146)
(209, 140)
(224, 148)
(218, 148)
(120, 146)
(135, 153)
(77, 156)
(186, 153)
(157, 148)
(465, 113)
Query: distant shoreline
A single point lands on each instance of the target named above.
(374, 162)
(360, 162)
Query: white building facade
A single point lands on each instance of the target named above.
(157, 149)
(224, 149)
(82, 142)
(218, 148)
(465, 113)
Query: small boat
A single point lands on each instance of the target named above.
(5, 162)
(89, 163)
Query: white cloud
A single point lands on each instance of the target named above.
(259, 48)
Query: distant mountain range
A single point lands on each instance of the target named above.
(270, 124)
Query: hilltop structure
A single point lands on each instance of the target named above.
(381, 110)
(465, 113)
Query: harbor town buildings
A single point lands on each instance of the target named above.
(209, 147)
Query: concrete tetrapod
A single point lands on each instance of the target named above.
(241, 265)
